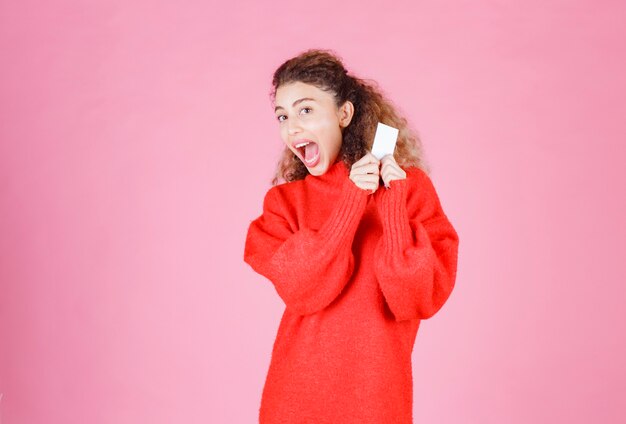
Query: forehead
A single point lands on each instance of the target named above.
(287, 93)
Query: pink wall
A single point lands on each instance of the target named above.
(137, 143)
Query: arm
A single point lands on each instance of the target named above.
(308, 268)
(416, 258)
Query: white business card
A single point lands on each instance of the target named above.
(384, 140)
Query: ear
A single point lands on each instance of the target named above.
(346, 112)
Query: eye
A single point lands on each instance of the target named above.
(304, 108)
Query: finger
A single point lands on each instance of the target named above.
(391, 171)
(391, 175)
(360, 161)
(368, 158)
(389, 165)
(369, 153)
(389, 158)
(366, 179)
(370, 168)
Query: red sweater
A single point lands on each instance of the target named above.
(357, 272)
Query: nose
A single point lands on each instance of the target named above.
(293, 126)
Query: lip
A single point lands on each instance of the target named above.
(302, 140)
(297, 150)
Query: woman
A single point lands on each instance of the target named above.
(357, 265)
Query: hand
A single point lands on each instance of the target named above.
(390, 170)
(365, 173)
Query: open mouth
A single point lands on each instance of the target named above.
(308, 151)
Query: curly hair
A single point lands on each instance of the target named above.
(324, 69)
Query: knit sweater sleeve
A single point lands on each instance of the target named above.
(416, 257)
(308, 267)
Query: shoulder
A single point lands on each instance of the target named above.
(421, 193)
(281, 196)
(415, 172)
(417, 178)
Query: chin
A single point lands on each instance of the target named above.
(318, 169)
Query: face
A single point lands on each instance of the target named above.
(310, 124)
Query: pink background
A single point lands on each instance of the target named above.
(137, 143)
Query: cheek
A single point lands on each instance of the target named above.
(328, 127)
(332, 131)
(330, 121)
(284, 134)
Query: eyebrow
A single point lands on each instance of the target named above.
(295, 103)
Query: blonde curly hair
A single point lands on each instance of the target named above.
(324, 69)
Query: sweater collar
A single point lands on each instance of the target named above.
(335, 172)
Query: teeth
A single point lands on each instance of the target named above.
(302, 144)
